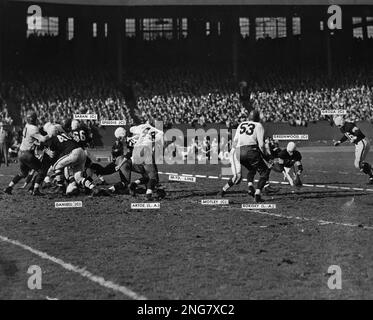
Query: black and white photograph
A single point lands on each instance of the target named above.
(186, 151)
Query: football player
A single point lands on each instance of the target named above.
(362, 145)
(148, 139)
(289, 160)
(69, 154)
(249, 149)
(27, 158)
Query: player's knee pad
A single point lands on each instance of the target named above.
(365, 167)
(236, 179)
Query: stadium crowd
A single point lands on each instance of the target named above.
(194, 95)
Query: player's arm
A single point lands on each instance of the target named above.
(343, 139)
(260, 137)
(40, 137)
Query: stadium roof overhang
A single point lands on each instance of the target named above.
(134, 3)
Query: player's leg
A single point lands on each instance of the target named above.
(41, 173)
(144, 179)
(248, 158)
(28, 179)
(151, 185)
(260, 166)
(26, 162)
(78, 160)
(236, 171)
(124, 174)
(361, 152)
(5, 154)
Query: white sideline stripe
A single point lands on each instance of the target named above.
(275, 182)
(322, 222)
(81, 271)
(187, 175)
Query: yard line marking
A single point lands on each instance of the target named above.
(323, 222)
(81, 271)
(276, 182)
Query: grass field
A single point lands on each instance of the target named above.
(186, 250)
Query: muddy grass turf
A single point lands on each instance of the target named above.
(186, 250)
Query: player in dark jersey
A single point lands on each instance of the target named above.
(290, 159)
(80, 133)
(69, 154)
(362, 145)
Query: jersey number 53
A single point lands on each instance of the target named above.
(247, 128)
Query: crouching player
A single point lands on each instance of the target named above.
(290, 161)
(362, 145)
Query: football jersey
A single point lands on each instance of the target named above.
(249, 133)
(81, 136)
(289, 160)
(146, 134)
(62, 144)
(30, 132)
(352, 133)
(121, 148)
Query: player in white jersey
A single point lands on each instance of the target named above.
(27, 158)
(248, 150)
(147, 139)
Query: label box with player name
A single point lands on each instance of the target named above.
(181, 178)
(146, 205)
(213, 202)
(68, 204)
(258, 206)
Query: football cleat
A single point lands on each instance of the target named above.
(251, 191)
(149, 197)
(8, 190)
(132, 189)
(370, 181)
(258, 198)
(37, 193)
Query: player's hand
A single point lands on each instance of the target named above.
(337, 143)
